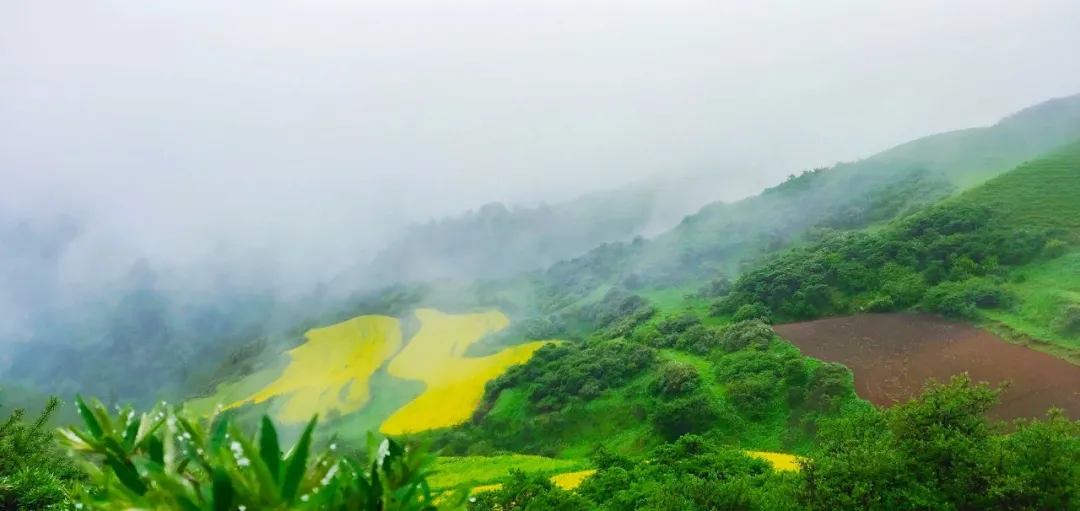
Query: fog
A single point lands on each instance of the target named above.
(304, 133)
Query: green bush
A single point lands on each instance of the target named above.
(33, 473)
(678, 324)
(556, 375)
(962, 299)
(1068, 321)
(1055, 248)
(164, 460)
(696, 413)
(752, 311)
(881, 304)
(676, 379)
(529, 492)
(752, 334)
(828, 382)
(753, 395)
(698, 339)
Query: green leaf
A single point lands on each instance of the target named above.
(223, 490)
(132, 432)
(221, 429)
(92, 424)
(267, 486)
(269, 449)
(297, 463)
(126, 473)
(156, 450)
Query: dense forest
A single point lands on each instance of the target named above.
(657, 375)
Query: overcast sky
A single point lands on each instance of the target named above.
(307, 126)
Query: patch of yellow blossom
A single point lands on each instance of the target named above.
(779, 461)
(334, 358)
(455, 383)
(571, 480)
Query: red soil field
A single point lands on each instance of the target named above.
(892, 356)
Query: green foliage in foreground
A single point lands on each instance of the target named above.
(34, 474)
(937, 451)
(163, 460)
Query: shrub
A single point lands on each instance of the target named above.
(676, 379)
(715, 288)
(961, 299)
(746, 334)
(696, 413)
(556, 375)
(1068, 321)
(753, 395)
(828, 382)
(752, 311)
(881, 304)
(528, 492)
(1054, 248)
(677, 324)
(698, 339)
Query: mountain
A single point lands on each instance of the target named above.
(497, 240)
(648, 374)
(653, 394)
(727, 237)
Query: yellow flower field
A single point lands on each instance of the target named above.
(455, 384)
(779, 461)
(571, 480)
(333, 358)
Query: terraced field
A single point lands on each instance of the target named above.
(330, 372)
(455, 383)
(342, 367)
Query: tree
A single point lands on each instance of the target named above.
(33, 473)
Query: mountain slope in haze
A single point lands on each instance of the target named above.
(499, 241)
(653, 393)
(973, 155)
(726, 237)
(721, 237)
(954, 258)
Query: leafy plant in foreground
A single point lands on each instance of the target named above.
(163, 460)
(33, 475)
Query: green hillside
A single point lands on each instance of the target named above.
(732, 237)
(974, 251)
(658, 381)
(974, 155)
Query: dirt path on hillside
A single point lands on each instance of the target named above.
(892, 355)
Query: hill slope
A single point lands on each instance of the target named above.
(729, 237)
(953, 258)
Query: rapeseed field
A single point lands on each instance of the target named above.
(335, 358)
(779, 461)
(455, 383)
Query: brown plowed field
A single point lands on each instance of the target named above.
(892, 356)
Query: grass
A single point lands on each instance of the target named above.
(1042, 290)
(486, 470)
(1044, 193)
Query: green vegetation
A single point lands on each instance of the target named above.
(164, 460)
(669, 371)
(953, 258)
(34, 473)
(454, 471)
(937, 451)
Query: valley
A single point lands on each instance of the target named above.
(835, 342)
